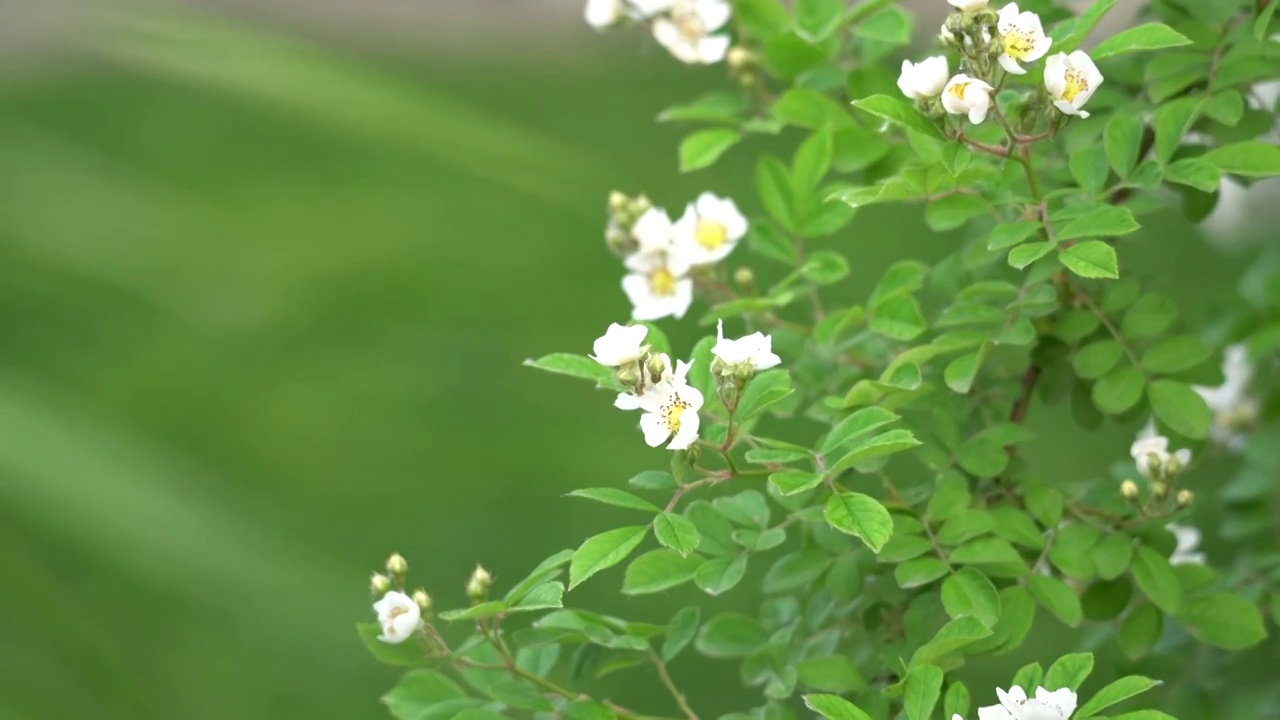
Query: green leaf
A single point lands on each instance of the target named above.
(680, 631)
(899, 113)
(1023, 255)
(1151, 36)
(808, 108)
(603, 551)
(903, 375)
(546, 596)
(764, 18)
(923, 688)
(1121, 139)
(618, 498)
(1180, 407)
(764, 390)
(904, 546)
(825, 267)
(834, 708)
(953, 211)
(811, 163)
(1171, 122)
(830, 673)
(1150, 316)
(1099, 221)
(703, 148)
(1194, 172)
(1091, 259)
(855, 426)
(901, 278)
(898, 318)
(1080, 28)
(1010, 234)
(1144, 715)
(1069, 671)
(956, 701)
(731, 635)
(920, 571)
(967, 524)
(796, 570)
(1225, 620)
(1045, 503)
(426, 693)
(1264, 19)
(891, 26)
(1118, 691)
(970, 593)
(475, 612)
(718, 576)
(1175, 354)
(1155, 577)
(961, 372)
(1089, 167)
(861, 516)
(894, 441)
(1118, 390)
(658, 570)
(585, 710)
(410, 653)
(793, 482)
(1097, 358)
(575, 366)
(676, 532)
(1112, 555)
(1252, 158)
(983, 551)
(817, 19)
(773, 185)
(1057, 597)
(712, 107)
(953, 636)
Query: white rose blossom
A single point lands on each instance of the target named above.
(1015, 705)
(670, 413)
(965, 95)
(1150, 453)
(1023, 38)
(709, 230)
(620, 345)
(687, 30)
(602, 14)
(745, 355)
(645, 9)
(399, 617)
(1187, 550)
(968, 5)
(1071, 80)
(1230, 402)
(656, 286)
(925, 79)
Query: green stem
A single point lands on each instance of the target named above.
(671, 686)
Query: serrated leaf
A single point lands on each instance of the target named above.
(575, 366)
(731, 635)
(855, 426)
(603, 551)
(861, 516)
(833, 707)
(676, 532)
(1156, 578)
(1225, 620)
(1069, 671)
(1099, 221)
(703, 148)
(899, 113)
(970, 593)
(1180, 407)
(889, 443)
(658, 570)
(1151, 36)
(1118, 691)
(922, 690)
(1057, 597)
(615, 497)
(1091, 259)
(1252, 158)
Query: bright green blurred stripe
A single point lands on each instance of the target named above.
(324, 87)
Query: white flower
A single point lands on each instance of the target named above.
(925, 79)
(1015, 705)
(645, 9)
(1151, 453)
(620, 345)
(965, 95)
(1023, 38)
(1188, 543)
(656, 287)
(686, 31)
(665, 376)
(601, 14)
(1071, 81)
(744, 355)
(969, 5)
(399, 617)
(709, 230)
(1230, 402)
(670, 412)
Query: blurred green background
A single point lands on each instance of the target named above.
(264, 302)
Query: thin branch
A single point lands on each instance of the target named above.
(671, 686)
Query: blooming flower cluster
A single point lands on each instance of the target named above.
(1015, 705)
(669, 404)
(660, 254)
(1070, 80)
(1150, 452)
(1234, 410)
(399, 614)
(688, 29)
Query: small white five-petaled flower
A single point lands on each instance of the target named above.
(601, 14)
(399, 617)
(969, 5)
(1233, 408)
(1015, 705)
(709, 230)
(966, 95)
(925, 79)
(1071, 80)
(743, 356)
(670, 412)
(656, 286)
(620, 345)
(1187, 550)
(687, 31)
(1023, 38)
(1150, 453)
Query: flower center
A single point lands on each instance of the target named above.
(957, 89)
(671, 413)
(690, 26)
(1018, 43)
(662, 282)
(397, 611)
(1076, 84)
(710, 234)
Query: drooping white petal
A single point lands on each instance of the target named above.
(620, 344)
(1010, 65)
(654, 428)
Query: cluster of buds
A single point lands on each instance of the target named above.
(624, 211)
(400, 615)
(744, 67)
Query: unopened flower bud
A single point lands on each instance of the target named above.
(379, 584)
(396, 565)
(1155, 465)
(628, 374)
(1185, 498)
(656, 366)
(478, 584)
(1129, 489)
(617, 201)
(1159, 489)
(423, 600)
(739, 58)
(1173, 466)
(744, 277)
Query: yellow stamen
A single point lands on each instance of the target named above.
(1076, 84)
(671, 415)
(710, 234)
(662, 282)
(1018, 44)
(957, 89)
